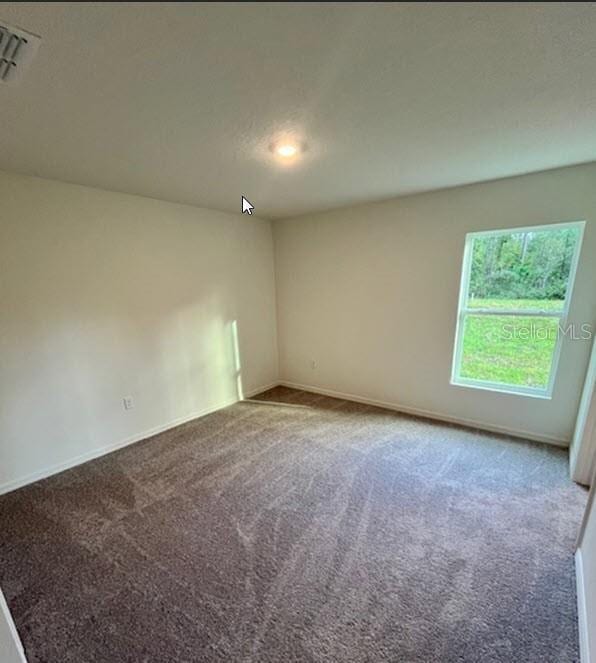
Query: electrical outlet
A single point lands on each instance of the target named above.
(128, 403)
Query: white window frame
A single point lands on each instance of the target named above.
(463, 311)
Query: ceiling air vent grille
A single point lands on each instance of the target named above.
(17, 49)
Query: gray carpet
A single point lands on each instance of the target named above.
(336, 532)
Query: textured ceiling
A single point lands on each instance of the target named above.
(180, 101)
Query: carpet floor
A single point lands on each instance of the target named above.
(331, 532)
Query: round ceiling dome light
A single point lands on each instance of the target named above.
(287, 150)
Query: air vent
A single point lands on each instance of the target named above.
(17, 49)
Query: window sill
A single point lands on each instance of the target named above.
(509, 390)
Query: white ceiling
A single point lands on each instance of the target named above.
(180, 101)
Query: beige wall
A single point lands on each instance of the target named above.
(369, 293)
(107, 295)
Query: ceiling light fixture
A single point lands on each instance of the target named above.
(287, 150)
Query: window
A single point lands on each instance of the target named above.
(513, 304)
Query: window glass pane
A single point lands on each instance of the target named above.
(521, 270)
(509, 349)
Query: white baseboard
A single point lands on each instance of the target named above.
(582, 615)
(429, 414)
(260, 390)
(11, 648)
(101, 451)
(9, 486)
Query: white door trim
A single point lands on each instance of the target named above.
(11, 650)
(582, 456)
